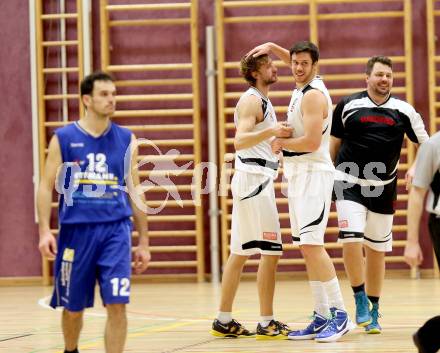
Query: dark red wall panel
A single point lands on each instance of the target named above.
(18, 234)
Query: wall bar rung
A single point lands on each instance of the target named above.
(149, 67)
(153, 22)
(137, 7)
(59, 16)
(57, 43)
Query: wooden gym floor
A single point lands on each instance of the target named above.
(170, 317)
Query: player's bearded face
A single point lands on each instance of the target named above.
(269, 73)
(380, 80)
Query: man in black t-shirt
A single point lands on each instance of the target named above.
(367, 135)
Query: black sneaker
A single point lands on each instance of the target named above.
(274, 331)
(232, 329)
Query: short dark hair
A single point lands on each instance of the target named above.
(305, 46)
(249, 64)
(88, 82)
(378, 59)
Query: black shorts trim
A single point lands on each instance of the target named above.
(379, 241)
(260, 162)
(263, 245)
(309, 231)
(343, 234)
(257, 191)
(317, 220)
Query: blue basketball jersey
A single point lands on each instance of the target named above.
(92, 180)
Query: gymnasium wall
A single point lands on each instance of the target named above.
(19, 255)
(18, 234)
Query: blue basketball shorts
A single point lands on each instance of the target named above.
(90, 253)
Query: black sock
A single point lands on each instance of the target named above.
(74, 351)
(373, 299)
(358, 289)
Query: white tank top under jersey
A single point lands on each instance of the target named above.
(258, 159)
(319, 160)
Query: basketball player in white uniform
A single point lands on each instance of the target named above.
(255, 221)
(310, 173)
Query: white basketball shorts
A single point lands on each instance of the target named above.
(309, 196)
(255, 224)
(358, 224)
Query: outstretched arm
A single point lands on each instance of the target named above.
(269, 47)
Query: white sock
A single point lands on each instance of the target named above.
(334, 293)
(265, 320)
(320, 298)
(224, 317)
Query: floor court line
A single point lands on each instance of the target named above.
(139, 316)
(16, 337)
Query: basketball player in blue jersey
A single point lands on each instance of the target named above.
(367, 135)
(255, 227)
(86, 160)
(310, 174)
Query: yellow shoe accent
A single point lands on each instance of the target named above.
(271, 338)
(364, 324)
(228, 335)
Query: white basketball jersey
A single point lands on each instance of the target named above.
(258, 159)
(297, 162)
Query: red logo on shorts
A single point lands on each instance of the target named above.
(343, 223)
(270, 235)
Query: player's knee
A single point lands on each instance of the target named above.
(73, 315)
(310, 251)
(352, 246)
(238, 260)
(116, 310)
(270, 260)
(376, 252)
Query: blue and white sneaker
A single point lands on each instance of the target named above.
(363, 306)
(338, 326)
(374, 327)
(316, 326)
